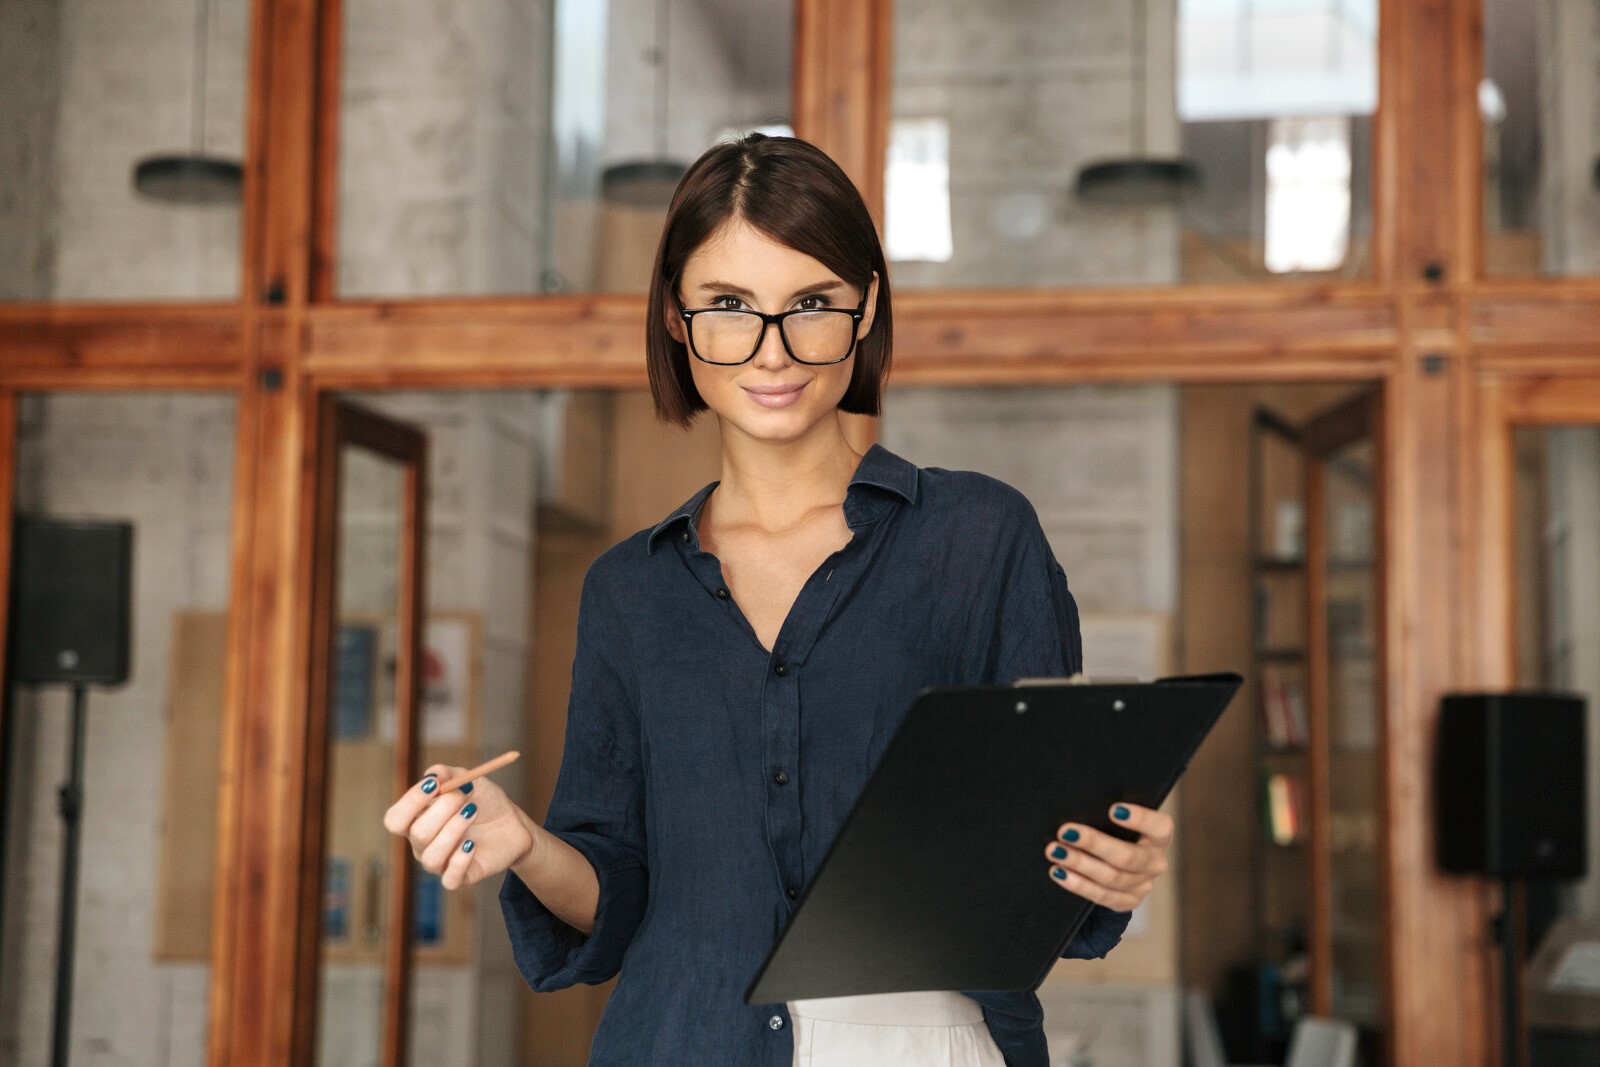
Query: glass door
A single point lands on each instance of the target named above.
(365, 678)
(1344, 496)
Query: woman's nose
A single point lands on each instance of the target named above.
(771, 353)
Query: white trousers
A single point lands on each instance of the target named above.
(892, 1030)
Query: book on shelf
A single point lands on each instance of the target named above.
(1283, 707)
(1284, 807)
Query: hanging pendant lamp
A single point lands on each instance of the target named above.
(192, 177)
(1140, 179)
(649, 182)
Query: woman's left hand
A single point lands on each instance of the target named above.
(1107, 870)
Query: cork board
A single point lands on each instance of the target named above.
(360, 785)
(189, 786)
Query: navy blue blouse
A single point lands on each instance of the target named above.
(704, 777)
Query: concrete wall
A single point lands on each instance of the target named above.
(90, 88)
(446, 141)
(1033, 91)
(127, 92)
(445, 117)
(1569, 135)
(30, 56)
(164, 462)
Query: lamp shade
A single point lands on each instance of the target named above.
(642, 183)
(1137, 181)
(189, 178)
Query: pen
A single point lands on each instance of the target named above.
(479, 771)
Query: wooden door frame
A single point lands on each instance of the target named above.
(1358, 417)
(340, 425)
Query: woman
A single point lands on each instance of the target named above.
(742, 665)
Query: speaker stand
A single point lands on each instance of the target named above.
(71, 798)
(1505, 926)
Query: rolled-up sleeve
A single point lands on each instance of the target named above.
(1041, 638)
(598, 809)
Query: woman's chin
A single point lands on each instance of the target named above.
(776, 425)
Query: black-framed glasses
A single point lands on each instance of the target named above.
(727, 337)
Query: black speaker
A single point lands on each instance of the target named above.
(1509, 782)
(71, 586)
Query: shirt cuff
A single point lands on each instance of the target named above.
(1098, 935)
(554, 955)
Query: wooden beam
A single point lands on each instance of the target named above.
(190, 346)
(842, 69)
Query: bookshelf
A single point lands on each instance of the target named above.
(1316, 573)
(1281, 751)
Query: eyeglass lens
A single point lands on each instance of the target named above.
(732, 336)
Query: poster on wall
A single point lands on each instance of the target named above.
(449, 680)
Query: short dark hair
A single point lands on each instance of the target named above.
(792, 192)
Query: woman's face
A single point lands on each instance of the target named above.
(771, 398)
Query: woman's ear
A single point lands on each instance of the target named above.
(674, 321)
(871, 309)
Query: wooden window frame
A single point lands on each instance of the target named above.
(1454, 351)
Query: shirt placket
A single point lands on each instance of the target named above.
(783, 670)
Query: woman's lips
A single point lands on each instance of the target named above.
(775, 396)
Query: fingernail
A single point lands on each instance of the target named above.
(1120, 812)
(1058, 853)
(1058, 874)
(469, 811)
(1070, 836)
(430, 784)
(466, 787)
(467, 846)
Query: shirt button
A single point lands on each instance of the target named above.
(686, 535)
(776, 1022)
(782, 778)
(793, 892)
(780, 669)
(722, 594)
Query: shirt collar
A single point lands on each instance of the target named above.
(878, 469)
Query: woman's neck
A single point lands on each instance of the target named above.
(776, 485)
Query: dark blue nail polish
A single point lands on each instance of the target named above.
(467, 845)
(430, 784)
(1058, 874)
(431, 774)
(1069, 836)
(1058, 853)
(469, 811)
(1120, 812)
(466, 787)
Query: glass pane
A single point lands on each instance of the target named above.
(1354, 729)
(1540, 106)
(93, 89)
(491, 147)
(1001, 118)
(141, 969)
(360, 775)
(1557, 556)
(525, 490)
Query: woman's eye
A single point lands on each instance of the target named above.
(811, 303)
(727, 303)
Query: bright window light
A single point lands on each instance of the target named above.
(773, 129)
(1308, 193)
(916, 191)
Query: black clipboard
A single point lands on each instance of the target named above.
(937, 880)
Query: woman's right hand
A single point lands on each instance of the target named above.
(464, 836)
